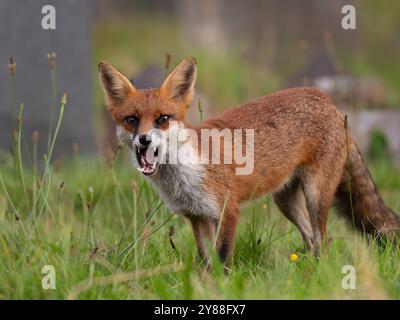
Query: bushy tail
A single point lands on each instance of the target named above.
(359, 201)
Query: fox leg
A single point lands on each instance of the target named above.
(204, 231)
(319, 188)
(291, 202)
(226, 233)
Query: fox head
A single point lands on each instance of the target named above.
(138, 113)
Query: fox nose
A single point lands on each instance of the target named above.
(145, 139)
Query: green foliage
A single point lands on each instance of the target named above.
(376, 52)
(102, 210)
(378, 147)
(128, 43)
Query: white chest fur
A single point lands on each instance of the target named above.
(181, 186)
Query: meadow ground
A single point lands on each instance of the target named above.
(108, 236)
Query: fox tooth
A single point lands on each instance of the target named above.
(140, 169)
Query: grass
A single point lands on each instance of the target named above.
(108, 237)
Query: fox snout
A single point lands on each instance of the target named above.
(144, 140)
(152, 138)
(147, 149)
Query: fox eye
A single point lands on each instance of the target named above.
(162, 119)
(132, 120)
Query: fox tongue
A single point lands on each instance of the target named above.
(147, 160)
(146, 166)
(144, 158)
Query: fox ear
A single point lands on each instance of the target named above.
(117, 88)
(179, 85)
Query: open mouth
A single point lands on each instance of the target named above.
(147, 159)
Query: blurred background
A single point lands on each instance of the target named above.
(244, 49)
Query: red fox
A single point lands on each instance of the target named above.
(302, 155)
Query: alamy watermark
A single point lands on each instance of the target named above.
(49, 280)
(186, 146)
(349, 18)
(49, 18)
(349, 280)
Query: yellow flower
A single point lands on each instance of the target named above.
(264, 206)
(294, 257)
